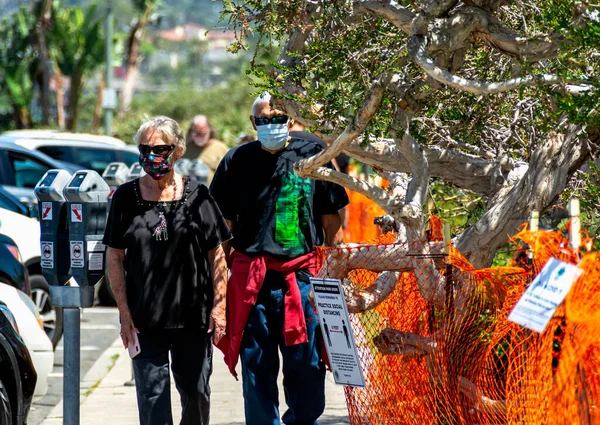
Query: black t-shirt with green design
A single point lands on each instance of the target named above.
(274, 211)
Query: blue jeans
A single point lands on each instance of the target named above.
(303, 370)
(191, 355)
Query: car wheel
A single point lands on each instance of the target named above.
(52, 316)
(105, 294)
(5, 407)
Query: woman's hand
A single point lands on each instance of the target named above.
(217, 324)
(128, 330)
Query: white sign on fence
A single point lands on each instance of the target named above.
(537, 305)
(337, 332)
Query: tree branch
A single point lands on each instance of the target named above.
(398, 16)
(379, 196)
(550, 169)
(355, 127)
(417, 50)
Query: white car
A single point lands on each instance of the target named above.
(87, 151)
(25, 232)
(31, 330)
(58, 135)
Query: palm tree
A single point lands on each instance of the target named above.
(77, 47)
(145, 9)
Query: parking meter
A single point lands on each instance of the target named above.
(182, 166)
(87, 209)
(115, 174)
(54, 235)
(136, 171)
(199, 171)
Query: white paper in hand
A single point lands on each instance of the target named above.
(537, 305)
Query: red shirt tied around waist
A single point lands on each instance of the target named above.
(247, 277)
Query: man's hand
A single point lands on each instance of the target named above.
(128, 330)
(217, 323)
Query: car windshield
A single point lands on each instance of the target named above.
(11, 204)
(89, 158)
(27, 170)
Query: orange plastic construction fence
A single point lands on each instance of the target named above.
(361, 213)
(454, 358)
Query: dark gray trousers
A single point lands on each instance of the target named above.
(191, 363)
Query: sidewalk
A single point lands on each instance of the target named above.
(105, 400)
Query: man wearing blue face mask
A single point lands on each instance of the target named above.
(277, 219)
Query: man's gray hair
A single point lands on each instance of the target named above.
(169, 129)
(264, 97)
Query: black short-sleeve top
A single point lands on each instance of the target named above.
(168, 276)
(274, 210)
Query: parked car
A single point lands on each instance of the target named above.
(21, 169)
(9, 202)
(59, 135)
(90, 152)
(32, 332)
(12, 269)
(26, 233)
(17, 372)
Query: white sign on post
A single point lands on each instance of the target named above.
(95, 261)
(337, 332)
(77, 260)
(537, 305)
(46, 210)
(47, 261)
(76, 213)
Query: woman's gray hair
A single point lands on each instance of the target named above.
(169, 129)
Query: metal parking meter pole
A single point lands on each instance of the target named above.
(55, 265)
(87, 198)
(71, 365)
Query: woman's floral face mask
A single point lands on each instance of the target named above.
(157, 163)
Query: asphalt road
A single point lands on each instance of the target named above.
(99, 328)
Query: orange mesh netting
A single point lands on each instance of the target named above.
(455, 358)
(361, 214)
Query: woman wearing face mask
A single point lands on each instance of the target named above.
(203, 144)
(168, 272)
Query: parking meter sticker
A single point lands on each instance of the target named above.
(76, 213)
(96, 261)
(95, 246)
(46, 210)
(77, 260)
(47, 261)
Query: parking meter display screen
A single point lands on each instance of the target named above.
(76, 182)
(48, 179)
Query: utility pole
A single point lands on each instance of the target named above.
(109, 95)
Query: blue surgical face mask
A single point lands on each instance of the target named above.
(273, 136)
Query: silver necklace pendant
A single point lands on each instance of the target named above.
(160, 231)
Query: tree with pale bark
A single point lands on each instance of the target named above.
(498, 98)
(145, 10)
(495, 98)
